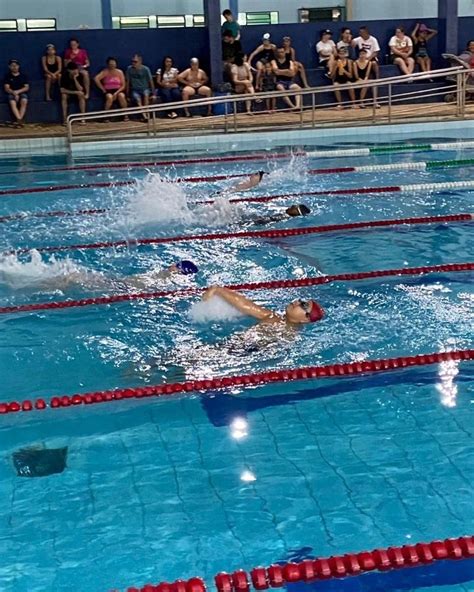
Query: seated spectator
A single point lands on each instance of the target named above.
(230, 25)
(467, 55)
(285, 71)
(263, 53)
(362, 67)
(52, 68)
(139, 81)
(290, 52)
(167, 84)
(195, 83)
(111, 81)
(74, 53)
(242, 79)
(16, 85)
(73, 87)
(371, 45)
(269, 84)
(421, 35)
(345, 41)
(401, 49)
(230, 47)
(326, 49)
(341, 73)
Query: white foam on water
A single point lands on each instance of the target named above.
(214, 309)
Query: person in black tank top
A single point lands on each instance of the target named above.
(290, 52)
(341, 72)
(421, 34)
(52, 68)
(362, 69)
(285, 71)
(264, 54)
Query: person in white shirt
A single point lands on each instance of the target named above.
(326, 49)
(401, 49)
(371, 45)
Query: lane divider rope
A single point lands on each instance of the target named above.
(390, 149)
(398, 166)
(242, 380)
(273, 284)
(278, 575)
(280, 233)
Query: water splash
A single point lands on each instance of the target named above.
(214, 309)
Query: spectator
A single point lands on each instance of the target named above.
(371, 45)
(326, 49)
(341, 73)
(269, 84)
(195, 83)
(167, 83)
(242, 79)
(290, 52)
(230, 47)
(16, 86)
(401, 49)
(284, 69)
(265, 52)
(467, 55)
(230, 25)
(345, 41)
(139, 83)
(52, 68)
(421, 35)
(361, 73)
(73, 86)
(74, 53)
(111, 81)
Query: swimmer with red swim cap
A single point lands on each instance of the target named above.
(298, 312)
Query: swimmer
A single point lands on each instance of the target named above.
(298, 312)
(291, 212)
(254, 180)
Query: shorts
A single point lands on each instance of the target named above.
(23, 96)
(324, 64)
(285, 83)
(422, 53)
(268, 87)
(137, 95)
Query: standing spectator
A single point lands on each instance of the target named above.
(401, 49)
(326, 49)
(285, 71)
(341, 73)
(167, 83)
(16, 86)
(345, 41)
(269, 84)
(52, 68)
(242, 79)
(139, 82)
(290, 52)
(111, 81)
(421, 35)
(73, 86)
(371, 45)
(230, 25)
(195, 83)
(264, 53)
(230, 47)
(361, 73)
(74, 53)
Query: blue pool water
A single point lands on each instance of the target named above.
(192, 485)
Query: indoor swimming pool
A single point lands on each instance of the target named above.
(161, 488)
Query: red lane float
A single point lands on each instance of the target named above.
(277, 233)
(336, 566)
(273, 284)
(259, 378)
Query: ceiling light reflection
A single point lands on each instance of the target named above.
(446, 385)
(239, 428)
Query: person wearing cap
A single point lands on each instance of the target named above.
(421, 34)
(293, 211)
(326, 49)
(16, 85)
(230, 24)
(285, 72)
(194, 81)
(291, 53)
(264, 54)
(52, 68)
(298, 312)
(401, 50)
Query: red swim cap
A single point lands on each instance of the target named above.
(316, 313)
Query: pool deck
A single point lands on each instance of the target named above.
(260, 120)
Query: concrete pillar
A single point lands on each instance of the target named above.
(448, 26)
(212, 13)
(234, 7)
(106, 6)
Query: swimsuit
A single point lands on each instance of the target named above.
(111, 82)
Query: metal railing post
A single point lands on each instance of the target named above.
(313, 109)
(234, 105)
(390, 102)
(154, 122)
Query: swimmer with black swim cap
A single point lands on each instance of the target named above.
(298, 312)
(292, 212)
(249, 183)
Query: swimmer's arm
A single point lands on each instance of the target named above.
(249, 183)
(241, 303)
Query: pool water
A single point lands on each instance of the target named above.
(162, 489)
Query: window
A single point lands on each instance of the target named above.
(170, 21)
(10, 25)
(258, 18)
(313, 15)
(131, 22)
(43, 24)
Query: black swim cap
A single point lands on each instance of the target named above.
(303, 210)
(261, 173)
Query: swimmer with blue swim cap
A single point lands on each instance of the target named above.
(298, 312)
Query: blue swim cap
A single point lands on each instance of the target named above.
(186, 267)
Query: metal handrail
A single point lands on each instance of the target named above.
(232, 99)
